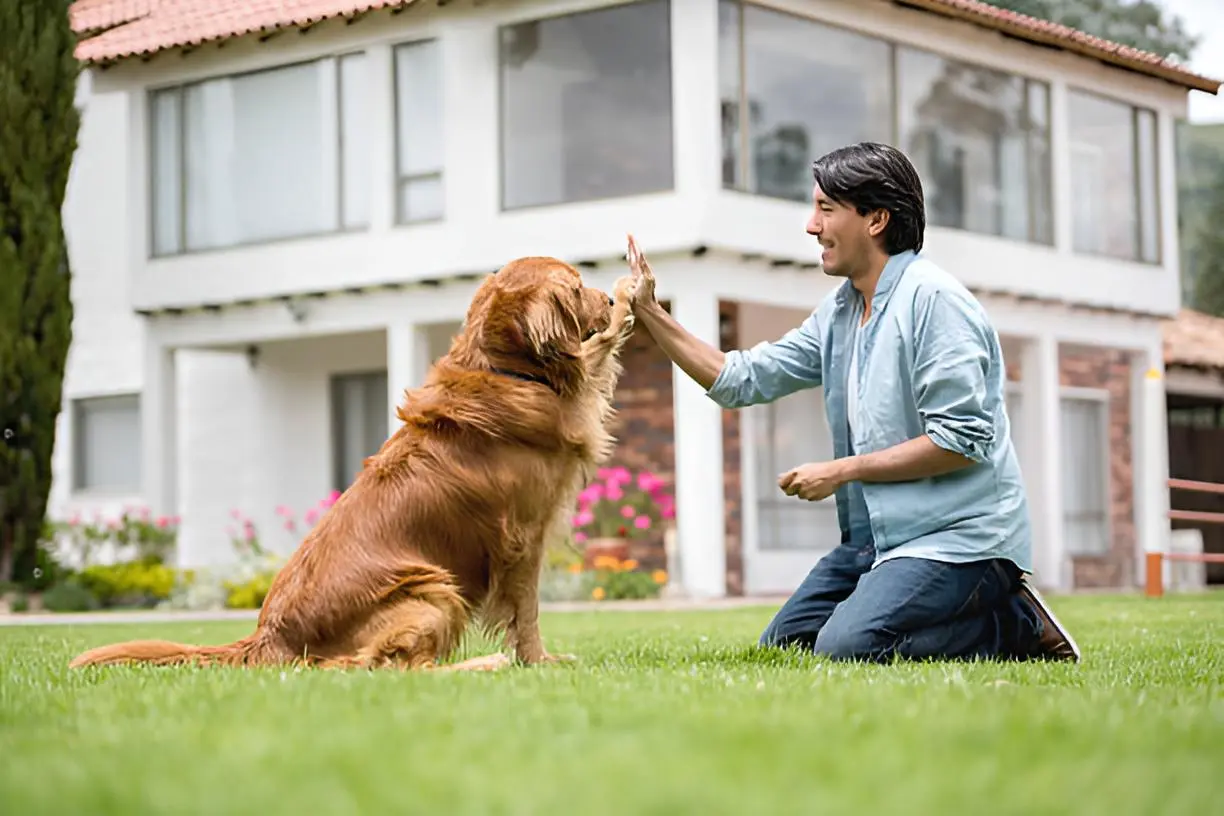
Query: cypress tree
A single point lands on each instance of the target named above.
(38, 137)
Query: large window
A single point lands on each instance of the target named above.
(106, 449)
(360, 410)
(1085, 472)
(787, 433)
(980, 140)
(261, 156)
(418, 132)
(1115, 199)
(586, 106)
(792, 90)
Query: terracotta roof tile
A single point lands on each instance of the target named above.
(1194, 339)
(115, 29)
(133, 27)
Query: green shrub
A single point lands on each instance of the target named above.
(19, 603)
(249, 594)
(133, 583)
(69, 596)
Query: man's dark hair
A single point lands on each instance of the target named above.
(872, 176)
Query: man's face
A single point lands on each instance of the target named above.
(845, 235)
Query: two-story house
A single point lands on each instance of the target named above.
(278, 214)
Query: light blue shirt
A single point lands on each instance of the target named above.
(929, 362)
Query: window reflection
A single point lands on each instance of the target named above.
(980, 141)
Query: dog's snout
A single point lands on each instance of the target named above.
(611, 301)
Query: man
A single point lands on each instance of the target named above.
(935, 535)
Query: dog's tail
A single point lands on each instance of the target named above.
(166, 653)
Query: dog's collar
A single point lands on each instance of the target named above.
(518, 375)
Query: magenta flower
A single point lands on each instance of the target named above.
(642, 522)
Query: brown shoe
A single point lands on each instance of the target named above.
(1056, 642)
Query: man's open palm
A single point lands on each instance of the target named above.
(643, 276)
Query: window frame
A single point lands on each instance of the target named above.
(399, 179)
(179, 89)
(1102, 402)
(335, 380)
(743, 159)
(669, 189)
(1134, 113)
(78, 406)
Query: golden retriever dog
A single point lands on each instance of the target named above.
(447, 522)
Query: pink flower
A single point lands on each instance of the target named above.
(584, 518)
(667, 509)
(592, 494)
(282, 510)
(642, 522)
(235, 514)
(614, 492)
(603, 474)
(312, 516)
(627, 511)
(622, 475)
(74, 519)
(175, 520)
(162, 521)
(289, 525)
(579, 538)
(144, 514)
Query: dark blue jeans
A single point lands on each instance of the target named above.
(906, 607)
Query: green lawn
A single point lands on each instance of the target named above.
(665, 714)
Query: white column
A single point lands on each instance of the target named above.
(407, 363)
(696, 122)
(159, 427)
(700, 526)
(1042, 416)
(1150, 457)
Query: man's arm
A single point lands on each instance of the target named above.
(951, 361)
(695, 357)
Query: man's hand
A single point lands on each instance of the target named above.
(815, 480)
(643, 277)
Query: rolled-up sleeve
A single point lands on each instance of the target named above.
(951, 365)
(769, 371)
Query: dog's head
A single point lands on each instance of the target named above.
(531, 316)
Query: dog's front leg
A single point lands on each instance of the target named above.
(600, 353)
(523, 635)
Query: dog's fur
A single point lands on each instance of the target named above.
(449, 520)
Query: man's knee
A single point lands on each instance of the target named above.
(849, 643)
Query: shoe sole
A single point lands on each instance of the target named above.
(1033, 595)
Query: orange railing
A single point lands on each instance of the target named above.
(1154, 578)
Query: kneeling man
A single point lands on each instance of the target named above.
(935, 535)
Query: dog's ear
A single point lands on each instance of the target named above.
(550, 328)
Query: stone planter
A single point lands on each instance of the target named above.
(612, 547)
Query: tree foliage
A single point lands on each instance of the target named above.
(1209, 280)
(38, 137)
(1141, 24)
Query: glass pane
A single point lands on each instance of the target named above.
(418, 108)
(586, 106)
(107, 444)
(810, 89)
(1085, 462)
(166, 170)
(1105, 214)
(1149, 193)
(355, 143)
(360, 410)
(789, 432)
(258, 164)
(421, 199)
(1040, 167)
(967, 131)
(729, 90)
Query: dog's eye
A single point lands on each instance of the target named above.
(589, 334)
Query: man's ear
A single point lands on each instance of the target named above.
(550, 329)
(877, 222)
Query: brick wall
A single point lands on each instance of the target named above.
(646, 439)
(1108, 369)
(732, 492)
(643, 427)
